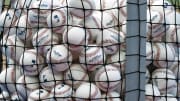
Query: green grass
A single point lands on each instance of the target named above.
(175, 2)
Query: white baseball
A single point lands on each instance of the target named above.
(61, 92)
(173, 34)
(108, 78)
(155, 23)
(110, 40)
(8, 78)
(165, 80)
(81, 8)
(92, 57)
(16, 97)
(39, 10)
(24, 30)
(164, 56)
(39, 95)
(49, 79)
(87, 91)
(8, 19)
(76, 75)
(168, 97)
(57, 20)
(118, 60)
(59, 58)
(26, 84)
(93, 25)
(12, 47)
(175, 67)
(107, 18)
(43, 39)
(31, 62)
(76, 38)
(111, 96)
(150, 53)
(152, 92)
(4, 96)
(120, 14)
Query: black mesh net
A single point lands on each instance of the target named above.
(162, 50)
(63, 50)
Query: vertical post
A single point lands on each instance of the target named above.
(136, 50)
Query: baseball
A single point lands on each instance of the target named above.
(120, 14)
(24, 30)
(162, 59)
(87, 91)
(4, 95)
(57, 20)
(111, 96)
(12, 47)
(107, 18)
(8, 20)
(110, 40)
(26, 84)
(175, 67)
(81, 8)
(31, 62)
(8, 78)
(165, 80)
(155, 23)
(61, 92)
(150, 53)
(39, 10)
(152, 92)
(59, 58)
(39, 95)
(76, 75)
(43, 39)
(76, 38)
(93, 25)
(104, 4)
(92, 57)
(16, 97)
(118, 60)
(48, 78)
(168, 97)
(108, 78)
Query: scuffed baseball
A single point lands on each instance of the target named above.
(57, 20)
(111, 40)
(12, 47)
(87, 91)
(164, 56)
(108, 78)
(165, 80)
(152, 92)
(59, 58)
(76, 38)
(26, 84)
(92, 57)
(76, 75)
(39, 95)
(9, 77)
(43, 39)
(111, 96)
(31, 62)
(49, 79)
(61, 92)
(118, 60)
(85, 8)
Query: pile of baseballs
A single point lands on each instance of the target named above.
(74, 50)
(162, 52)
(63, 50)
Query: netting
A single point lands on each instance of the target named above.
(63, 50)
(90, 50)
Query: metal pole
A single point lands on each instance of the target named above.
(136, 50)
